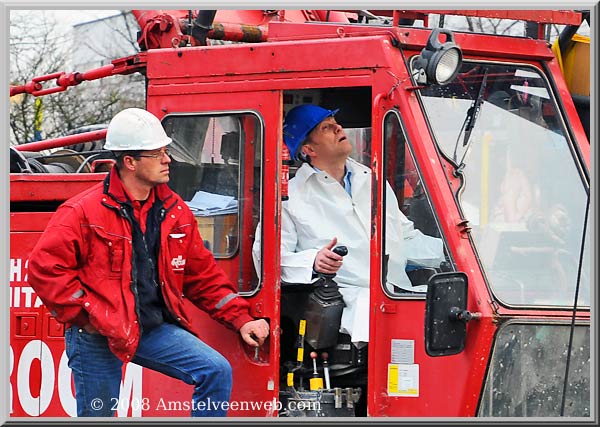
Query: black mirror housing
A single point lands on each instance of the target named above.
(445, 326)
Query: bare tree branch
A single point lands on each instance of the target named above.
(37, 49)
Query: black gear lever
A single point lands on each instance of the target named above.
(341, 251)
(324, 308)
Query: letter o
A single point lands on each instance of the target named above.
(35, 406)
(65, 392)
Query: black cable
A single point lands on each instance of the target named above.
(571, 332)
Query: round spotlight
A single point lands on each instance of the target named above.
(438, 62)
(447, 66)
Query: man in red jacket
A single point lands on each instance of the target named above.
(114, 264)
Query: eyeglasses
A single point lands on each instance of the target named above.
(156, 155)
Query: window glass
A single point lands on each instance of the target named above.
(413, 245)
(214, 159)
(523, 191)
(527, 371)
(360, 139)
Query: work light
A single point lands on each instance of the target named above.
(438, 63)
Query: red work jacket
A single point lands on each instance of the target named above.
(81, 267)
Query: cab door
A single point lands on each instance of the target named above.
(403, 379)
(219, 158)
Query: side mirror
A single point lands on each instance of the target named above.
(446, 314)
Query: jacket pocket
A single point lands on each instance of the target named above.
(107, 252)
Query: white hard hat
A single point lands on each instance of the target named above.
(135, 129)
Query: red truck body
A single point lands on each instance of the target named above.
(526, 318)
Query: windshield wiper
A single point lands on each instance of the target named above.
(469, 123)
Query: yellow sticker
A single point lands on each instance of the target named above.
(403, 380)
(300, 354)
(302, 327)
(290, 379)
(392, 378)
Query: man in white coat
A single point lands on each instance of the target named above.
(330, 204)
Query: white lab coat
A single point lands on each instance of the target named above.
(317, 210)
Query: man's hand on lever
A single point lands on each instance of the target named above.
(255, 333)
(327, 261)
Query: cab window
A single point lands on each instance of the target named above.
(413, 246)
(524, 193)
(216, 168)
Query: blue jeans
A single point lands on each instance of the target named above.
(168, 349)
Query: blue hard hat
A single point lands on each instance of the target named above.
(298, 123)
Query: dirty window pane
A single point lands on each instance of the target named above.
(523, 192)
(527, 370)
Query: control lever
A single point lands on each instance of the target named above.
(323, 311)
(341, 251)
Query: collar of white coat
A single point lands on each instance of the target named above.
(306, 170)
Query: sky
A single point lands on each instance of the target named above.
(72, 17)
(68, 18)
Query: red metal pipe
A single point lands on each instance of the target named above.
(69, 79)
(143, 17)
(26, 88)
(332, 16)
(63, 141)
(35, 87)
(395, 18)
(63, 81)
(98, 73)
(238, 32)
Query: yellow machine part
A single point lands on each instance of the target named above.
(575, 64)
